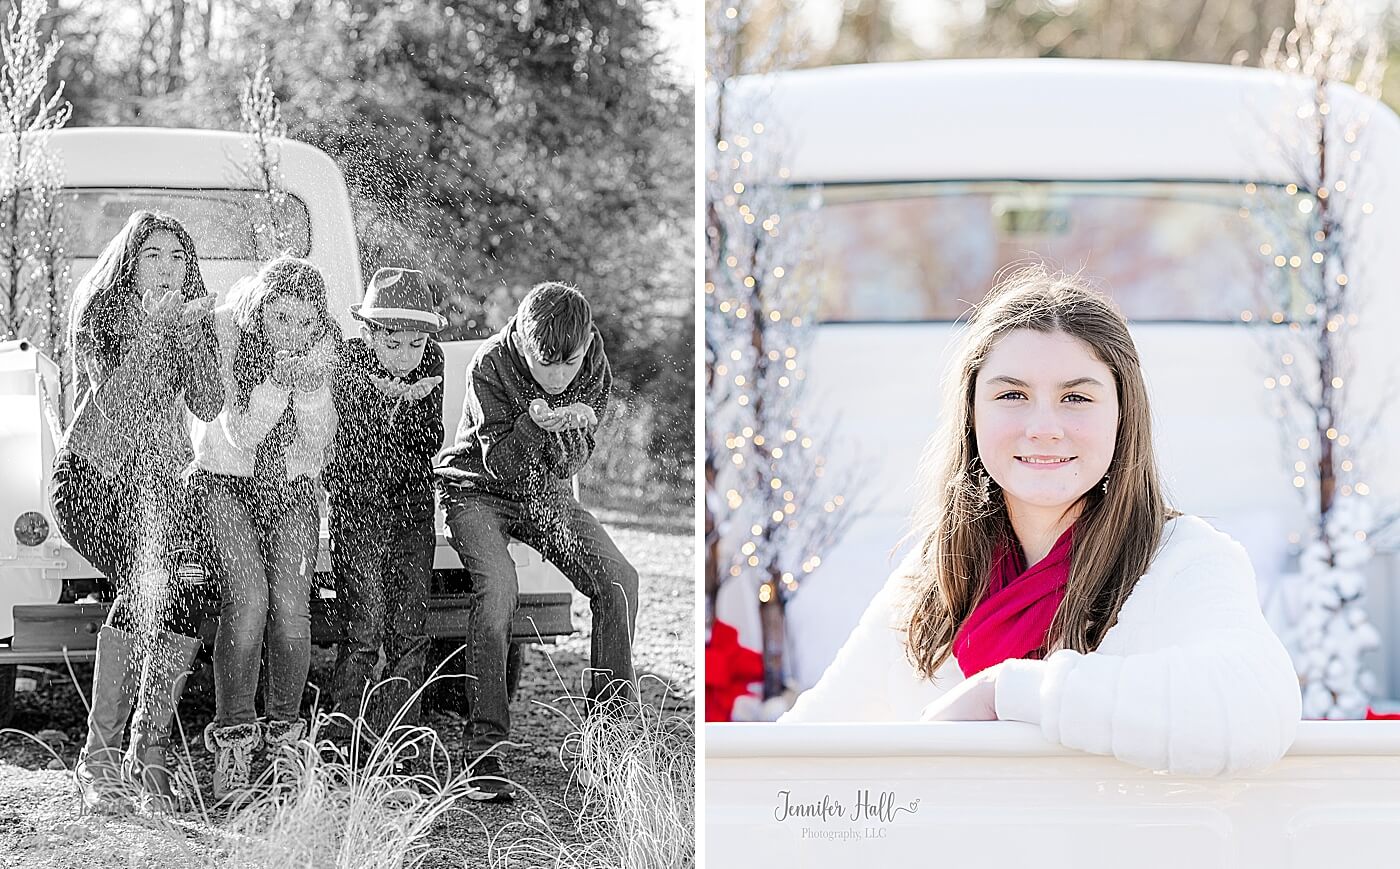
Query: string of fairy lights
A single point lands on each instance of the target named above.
(758, 317)
(1313, 266)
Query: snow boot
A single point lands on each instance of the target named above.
(283, 734)
(281, 738)
(234, 747)
(170, 660)
(99, 767)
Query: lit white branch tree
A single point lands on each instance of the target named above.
(771, 507)
(1313, 297)
(33, 264)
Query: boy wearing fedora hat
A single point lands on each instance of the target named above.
(535, 392)
(388, 393)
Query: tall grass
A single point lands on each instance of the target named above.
(631, 798)
(342, 802)
(323, 803)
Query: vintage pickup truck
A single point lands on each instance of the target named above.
(1135, 172)
(1164, 181)
(196, 175)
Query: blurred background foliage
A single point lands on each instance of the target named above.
(831, 32)
(492, 144)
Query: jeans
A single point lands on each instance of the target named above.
(265, 559)
(479, 525)
(135, 523)
(382, 558)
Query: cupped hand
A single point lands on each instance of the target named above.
(580, 415)
(195, 310)
(286, 369)
(389, 387)
(548, 418)
(310, 374)
(163, 309)
(420, 390)
(975, 699)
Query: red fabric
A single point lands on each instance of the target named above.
(1373, 715)
(729, 668)
(1014, 617)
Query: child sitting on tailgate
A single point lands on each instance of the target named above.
(535, 393)
(388, 394)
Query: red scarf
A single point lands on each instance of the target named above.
(1014, 617)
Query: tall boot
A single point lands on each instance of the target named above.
(169, 661)
(99, 768)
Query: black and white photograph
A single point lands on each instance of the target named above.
(347, 433)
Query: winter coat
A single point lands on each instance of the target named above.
(229, 444)
(384, 447)
(129, 377)
(498, 448)
(1190, 678)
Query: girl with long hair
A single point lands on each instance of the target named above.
(142, 345)
(1051, 583)
(258, 473)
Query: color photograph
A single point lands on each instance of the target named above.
(1050, 507)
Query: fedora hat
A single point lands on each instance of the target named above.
(399, 299)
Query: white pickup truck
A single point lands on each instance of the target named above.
(927, 179)
(196, 176)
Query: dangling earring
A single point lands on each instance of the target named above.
(1105, 484)
(984, 483)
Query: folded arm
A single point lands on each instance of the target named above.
(1218, 693)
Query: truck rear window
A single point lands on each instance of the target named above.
(1165, 251)
(222, 222)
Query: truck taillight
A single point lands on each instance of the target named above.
(31, 528)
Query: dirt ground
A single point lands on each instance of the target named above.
(40, 825)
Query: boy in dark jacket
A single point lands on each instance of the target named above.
(388, 395)
(535, 393)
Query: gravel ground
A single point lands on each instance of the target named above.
(39, 821)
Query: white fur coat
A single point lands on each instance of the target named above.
(1190, 679)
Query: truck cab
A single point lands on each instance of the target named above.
(201, 177)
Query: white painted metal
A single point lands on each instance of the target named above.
(996, 794)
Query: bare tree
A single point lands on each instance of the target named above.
(30, 208)
(771, 507)
(174, 69)
(47, 290)
(1210, 31)
(262, 122)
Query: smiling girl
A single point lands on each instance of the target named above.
(259, 464)
(1052, 584)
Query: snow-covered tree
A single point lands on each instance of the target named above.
(771, 507)
(1312, 299)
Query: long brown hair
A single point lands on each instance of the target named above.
(1117, 533)
(107, 291)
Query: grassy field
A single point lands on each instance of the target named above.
(558, 820)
